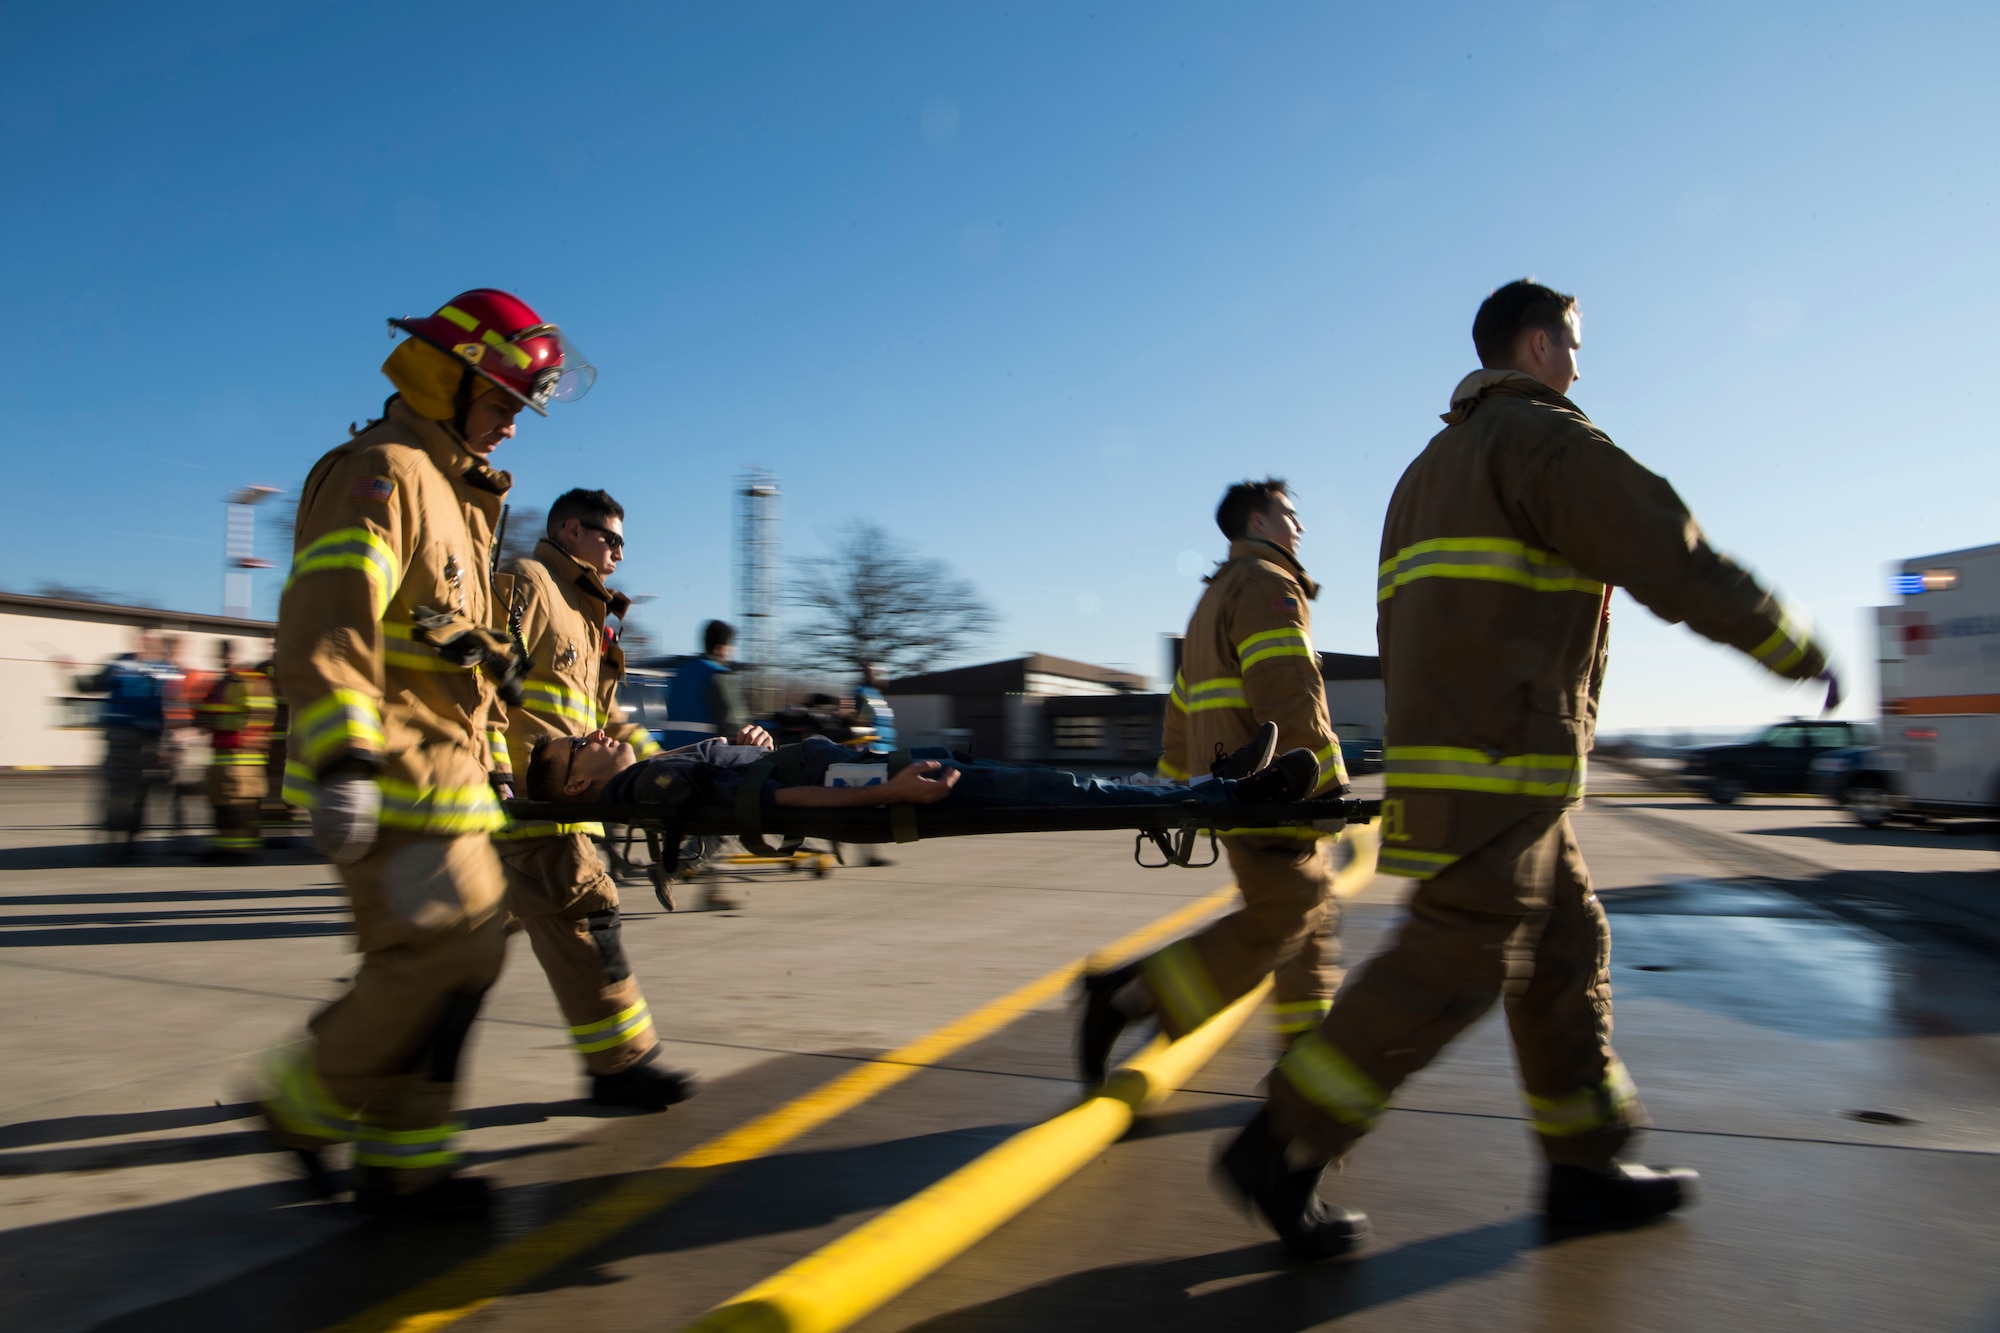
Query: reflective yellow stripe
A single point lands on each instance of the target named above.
(301, 786)
(1411, 864)
(1786, 647)
(643, 745)
(518, 830)
(294, 1096)
(1586, 1109)
(402, 648)
(1218, 692)
(553, 699)
(340, 722)
(406, 1149)
(1167, 770)
(1458, 769)
(239, 758)
(621, 1027)
(352, 548)
(1299, 1016)
(1495, 559)
(1287, 642)
(1330, 1081)
(1332, 767)
(1181, 986)
(440, 809)
(459, 317)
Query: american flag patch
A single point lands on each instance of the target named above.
(1285, 606)
(378, 489)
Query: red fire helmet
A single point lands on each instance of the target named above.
(499, 336)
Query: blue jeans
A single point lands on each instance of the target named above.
(990, 784)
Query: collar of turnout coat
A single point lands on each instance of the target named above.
(1474, 387)
(446, 448)
(561, 564)
(1256, 548)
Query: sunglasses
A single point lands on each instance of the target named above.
(615, 541)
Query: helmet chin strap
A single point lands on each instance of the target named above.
(461, 402)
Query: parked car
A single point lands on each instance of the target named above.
(1779, 759)
(1858, 778)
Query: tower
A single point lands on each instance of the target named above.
(758, 552)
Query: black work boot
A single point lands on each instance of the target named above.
(645, 1086)
(1617, 1195)
(449, 1197)
(1102, 1020)
(1254, 755)
(1255, 1169)
(1290, 777)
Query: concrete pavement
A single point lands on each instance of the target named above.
(1815, 1043)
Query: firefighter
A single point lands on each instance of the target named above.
(556, 885)
(1249, 683)
(237, 712)
(1499, 551)
(386, 655)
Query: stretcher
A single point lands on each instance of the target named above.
(1173, 828)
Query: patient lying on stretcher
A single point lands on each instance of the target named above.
(820, 773)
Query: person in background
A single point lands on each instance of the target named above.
(237, 711)
(704, 699)
(873, 712)
(133, 717)
(184, 747)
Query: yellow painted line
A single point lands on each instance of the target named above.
(477, 1283)
(832, 1288)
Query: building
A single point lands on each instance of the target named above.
(47, 642)
(1032, 709)
(1050, 710)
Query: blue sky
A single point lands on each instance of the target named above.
(1027, 284)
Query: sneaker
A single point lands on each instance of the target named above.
(1290, 777)
(1254, 1169)
(1097, 1031)
(1621, 1193)
(451, 1197)
(1254, 755)
(645, 1087)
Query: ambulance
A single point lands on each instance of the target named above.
(1940, 675)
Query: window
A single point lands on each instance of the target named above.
(1139, 734)
(1079, 733)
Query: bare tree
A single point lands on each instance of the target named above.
(874, 601)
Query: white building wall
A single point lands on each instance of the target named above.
(1357, 708)
(40, 658)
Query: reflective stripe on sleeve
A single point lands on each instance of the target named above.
(1290, 641)
(301, 786)
(401, 648)
(352, 548)
(1167, 770)
(1585, 1109)
(406, 1149)
(340, 722)
(1217, 692)
(406, 805)
(496, 746)
(1494, 559)
(1786, 647)
(643, 744)
(621, 1027)
(1332, 767)
(1330, 1081)
(519, 830)
(1456, 768)
(1181, 986)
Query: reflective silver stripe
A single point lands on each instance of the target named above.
(616, 1030)
(1586, 1109)
(1462, 769)
(1411, 864)
(1786, 647)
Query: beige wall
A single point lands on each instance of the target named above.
(34, 680)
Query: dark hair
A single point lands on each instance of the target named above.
(540, 784)
(592, 507)
(1510, 312)
(715, 634)
(1242, 500)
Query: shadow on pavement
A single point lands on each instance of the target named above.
(49, 931)
(167, 896)
(1253, 1287)
(1951, 835)
(95, 855)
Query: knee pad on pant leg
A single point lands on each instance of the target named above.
(448, 1036)
(607, 935)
